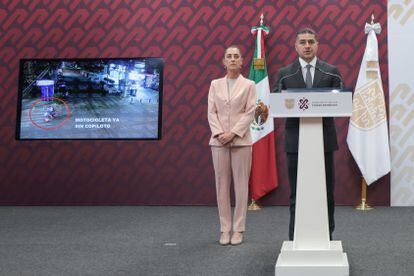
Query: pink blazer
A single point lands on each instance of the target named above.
(232, 111)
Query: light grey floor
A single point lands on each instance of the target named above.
(183, 241)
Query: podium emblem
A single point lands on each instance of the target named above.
(303, 104)
(290, 103)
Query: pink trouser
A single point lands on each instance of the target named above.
(230, 161)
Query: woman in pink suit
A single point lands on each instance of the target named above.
(231, 105)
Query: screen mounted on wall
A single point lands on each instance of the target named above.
(116, 98)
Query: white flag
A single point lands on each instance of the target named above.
(368, 128)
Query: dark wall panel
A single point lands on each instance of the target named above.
(191, 36)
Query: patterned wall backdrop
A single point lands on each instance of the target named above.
(191, 37)
(401, 25)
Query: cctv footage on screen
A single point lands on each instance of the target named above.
(90, 98)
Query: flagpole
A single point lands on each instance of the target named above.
(364, 206)
(253, 205)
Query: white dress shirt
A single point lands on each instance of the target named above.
(312, 69)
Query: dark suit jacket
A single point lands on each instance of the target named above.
(321, 80)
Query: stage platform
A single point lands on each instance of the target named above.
(137, 240)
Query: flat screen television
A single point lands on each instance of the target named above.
(100, 98)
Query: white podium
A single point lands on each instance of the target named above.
(311, 252)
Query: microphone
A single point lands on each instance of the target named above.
(341, 81)
(279, 84)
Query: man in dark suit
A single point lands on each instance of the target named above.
(309, 72)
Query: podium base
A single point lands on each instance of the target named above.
(321, 262)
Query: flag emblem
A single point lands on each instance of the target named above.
(260, 115)
(368, 106)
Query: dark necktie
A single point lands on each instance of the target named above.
(308, 76)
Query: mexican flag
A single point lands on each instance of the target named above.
(263, 176)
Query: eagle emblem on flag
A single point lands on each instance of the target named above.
(260, 115)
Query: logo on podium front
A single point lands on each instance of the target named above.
(303, 104)
(289, 103)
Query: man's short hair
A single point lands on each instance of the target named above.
(306, 31)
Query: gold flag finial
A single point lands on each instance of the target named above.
(372, 19)
(259, 62)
